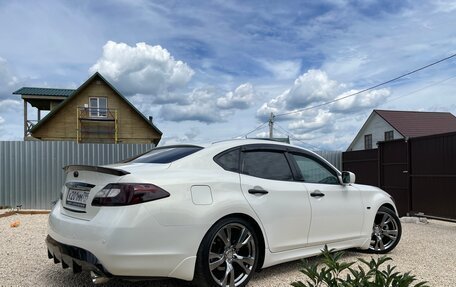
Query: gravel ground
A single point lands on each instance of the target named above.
(427, 250)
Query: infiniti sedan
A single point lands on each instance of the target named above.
(213, 215)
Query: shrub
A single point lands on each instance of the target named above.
(328, 273)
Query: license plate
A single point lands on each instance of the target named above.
(77, 197)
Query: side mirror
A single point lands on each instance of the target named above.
(348, 177)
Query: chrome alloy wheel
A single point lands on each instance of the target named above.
(232, 255)
(385, 232)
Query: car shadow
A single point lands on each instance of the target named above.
(54, 275)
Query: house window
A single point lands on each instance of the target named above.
(98, 107)
(389, 135)
(368, 141)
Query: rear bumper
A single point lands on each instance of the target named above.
(123, 242)
(73, 257)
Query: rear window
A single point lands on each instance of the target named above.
(229, 160)
(166, 154)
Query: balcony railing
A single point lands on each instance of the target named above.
(97, 114)
(30, 125)
(96, 125)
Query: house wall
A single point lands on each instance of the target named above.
(377, 126)
(63, 125)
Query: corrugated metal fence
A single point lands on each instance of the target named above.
(334, 157)
(31, 172)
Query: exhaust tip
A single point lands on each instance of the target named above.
(97, 278)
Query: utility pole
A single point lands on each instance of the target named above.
(271, 125)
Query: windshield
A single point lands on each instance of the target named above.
(166, 154)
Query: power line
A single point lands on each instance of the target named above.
(255, 129)
(351, 115)
(417, 90)
(295, 138)
(395, 98)
(367, 89)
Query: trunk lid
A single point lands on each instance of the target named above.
(83, 182)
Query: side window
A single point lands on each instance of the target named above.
(266, 164)
(389, 135)
(368, 141)
(229, 160)
(315, 172)
(102, 106)
(93, 105)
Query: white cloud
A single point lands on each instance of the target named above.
(311, 87)
(282, 70)
(313, 120)
(363, 101)
(201, 107)
(7, 79)
(446, 6)
(319, 126)
(364, 52)
(10, 109)
(151, 76)
(314, 87)
(143, 69)
(190, 136)
(10, 120)
(204, 105)
(241, 98)
(9, 105)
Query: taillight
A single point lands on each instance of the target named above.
(118, 194)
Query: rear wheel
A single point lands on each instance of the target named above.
(228, 254)
(386, 231)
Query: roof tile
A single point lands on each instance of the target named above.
(415, 124)
(44, 92)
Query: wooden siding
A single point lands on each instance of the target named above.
(63, 125)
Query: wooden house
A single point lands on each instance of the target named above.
(96, 112)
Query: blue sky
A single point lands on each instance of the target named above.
(212, 70)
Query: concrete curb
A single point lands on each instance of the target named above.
(30, 212)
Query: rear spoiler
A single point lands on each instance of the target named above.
(107, 170)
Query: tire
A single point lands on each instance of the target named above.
(386, 231)
(228, 254)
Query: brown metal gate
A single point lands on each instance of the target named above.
(433, 177)
(419, 173)
(394, 173)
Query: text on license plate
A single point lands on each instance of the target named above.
(77, 197)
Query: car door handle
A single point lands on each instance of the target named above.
(317, 193)
(258, 190)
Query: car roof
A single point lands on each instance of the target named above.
(219, 146)
(238, 142)
(211, 150)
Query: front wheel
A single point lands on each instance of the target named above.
(386, 231)
(228, 254)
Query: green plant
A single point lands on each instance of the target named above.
(328, 273)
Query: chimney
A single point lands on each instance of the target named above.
(151, 119)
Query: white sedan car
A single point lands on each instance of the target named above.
(213, 215)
